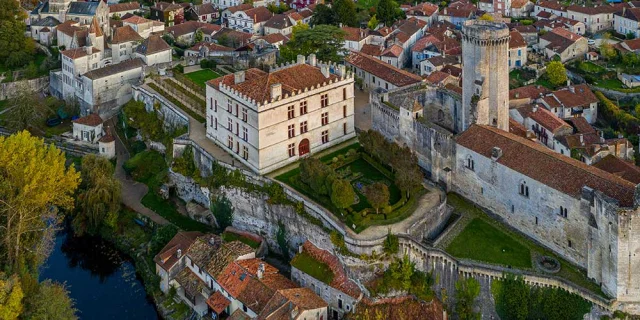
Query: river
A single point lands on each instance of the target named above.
(101, 280)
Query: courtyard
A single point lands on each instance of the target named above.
(353, 164)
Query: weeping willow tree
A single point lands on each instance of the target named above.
(99, 198)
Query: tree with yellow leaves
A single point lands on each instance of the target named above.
(34, 184)
(11, 295)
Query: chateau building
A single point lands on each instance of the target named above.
(267, 120)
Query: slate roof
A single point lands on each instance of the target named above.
(83, 8)
(126, 6)
(153, 44)
(92, 120)
(257, 84)
(46, 22)
(114, 69)
(125, 34)
(539, 163)
(382, 70)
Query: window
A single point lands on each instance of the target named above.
(245, 152)
(344, 93)
(470, 163)
(340, 303)
(229, 105)
(215, 105)
(291, 112)
(325, 136)
(245, 134)
(344, 128)
(236, 110)
(524, 189)
(569, 243)
(216, 122)
(563, 212)
(229, 124)
(292, 130)
(303, 127)
(244, 114)
(211, 122)
(292, 150)
(536, 221)
(303, 107)
(230, 142)
(325, 118)
(324, 100)
(344, 111)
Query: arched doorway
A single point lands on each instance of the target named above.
(303, 147)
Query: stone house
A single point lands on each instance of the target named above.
(595, 18)
(154, 51)
(572, 101)
(393, 55)
(268, 120)
(107, 145)
(517, 50)
(44, 30)
(543, 123)
(427, 12)
(88, 128)
(124, 42)
(627, 21)
(436, 63)
(230, 10)
(378, 74)
(205, 12)
(628, 46)
(223, 4)
(185, 32)
(75, 63)
(209, 50)
(455, 16)
(170, 260)
(249, 21)
(562, 43)
(274, 39)
(551, 6)
(231, 38)
(529, 33)
(279, 23)
(85, 12)
(144, 27)
(355, 38)
(169, 13)
(574, 26)
(521, 8)
(120, 9)
(342, 294)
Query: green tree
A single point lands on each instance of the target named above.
(388, 11)
(512, 297)
(11, 296)
(281, 238)
(345, 11)
(323, 15)
(378, 195)
(222, 211)
(556, 73)
(27, 110)
(161, 237)
(324, 40)
(198, 36)
(607, 51)
(298, 28)
(99, 198)
(34, 182)
(373, 23)
(342, 194)
(467, 290)
(407, 173)
(16, 49)
(317, 175)
(52, 301)
(185, 165)
(391, 244)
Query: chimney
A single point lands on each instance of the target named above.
(517, 95)
(569, 83)
(342, 70)
(238, 77)
(301, 59)
(179, 253)
(535, 108)
(312, 59)
(571, 88)
(260, 270)
(325, 70)
(496, 153)
(276, 90)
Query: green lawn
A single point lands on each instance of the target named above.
(609, 84)
(202, 76)
(230, 236)
(307, 264)
(590, 67)
(483, 242)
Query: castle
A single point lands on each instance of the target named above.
(463, 141)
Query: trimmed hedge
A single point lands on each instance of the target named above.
(175, 101)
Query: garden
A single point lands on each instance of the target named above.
(201, 77)
(309, 265)
(375, 183)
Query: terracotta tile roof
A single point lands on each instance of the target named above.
(530, 91)
(581, 125)
(437, 77)
(355, 34)
(399, 308)
(372, 50)
(205, 8)
(210, 46)
(443, 60)
(620, 168)
(393, 51)
(544, 15)
(295, 16)
(452, 70)
(190, 282)
(423, 9)
(452, 87)
(108, 137)
(551, 5)
(165, 6)
(127, 6)
(78, 52)
(440, 28)
(551, 101)
(188, 27)
(458, 13)
(136, 20)
(560, 39)
(239, 315)
(218, 302)
(242, 7)
(340, 279)
(581, 96)
(303, 298)
(69, 28)
(275, 37)
(259, 14)
(278, 21)
(382, 32)
(526, 29)
(545, 118)
(602, 9)
(516, 40)
(517, 128)
(538, 162)
(91, 120)
(631, 14)
(238, 38)
(167, 257)
(424, 42)
(385, 71)
(125, 34)
(632, 44)
(518, 4)
(45, 29)
(153, 44)
(257, 84)
(449, 46)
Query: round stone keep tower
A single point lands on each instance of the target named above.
(485, 74)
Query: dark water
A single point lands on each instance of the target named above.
(101, 280)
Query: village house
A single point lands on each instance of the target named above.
(268, 120)
(249, 21)
(426, 11)
(521, 8)
(341, 294)
(144, 27)
(393, 55)
(595, 18)
(377, 74)
(205, 12)
(455, 16)
(574, 26)
(124, 42)
(444, 78)
(274, 39)
(120, 9)
(543, 123)
(552, 7)
(44, 30)
(529, 33)
(169, 13)
(573, 101)
(562, 43)
(279, 23)
(628, 46)
(223, 4)
(627, 22)
(355, 38)
(206, 50)
(154, 51)
(436, 63)
(517, 50)
(88, 128)
(526, 95)
(85, 12)
(226, 13)
(231, 38)
(185, 32)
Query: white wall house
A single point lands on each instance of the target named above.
(250, 21)
(378, 74)
(88, 128)
(595, 18)
(627, 21)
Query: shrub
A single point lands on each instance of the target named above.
(391, 244)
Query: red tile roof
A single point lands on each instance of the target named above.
(530, 91)
(437, 77)
(355, 34)
(424, 42)
(125, 34)
(581, 125)
(517, 4)
(382, 70)
(210, 46)
(545, 118)
(91, 120)
(275, 37)
(372, 50)
(218, 302)
(393, 51)
(516, 40)
(423, 9)
(551, 5)
(167, 257)
(517, 128)
(78, 52)
(579, 95)
(340, 279)
(620, 168)
(119, 7)
(259, 14)
(602, 9)
(538, 162)
(399, 308)
(242, 7)
(303, 298)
